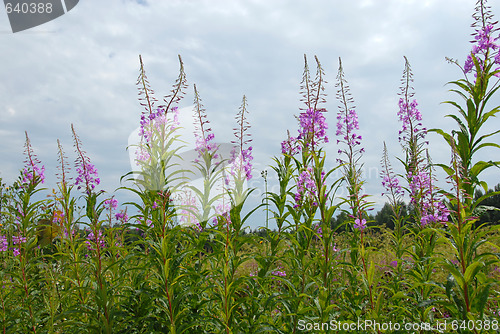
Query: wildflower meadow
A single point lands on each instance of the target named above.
(180, 258)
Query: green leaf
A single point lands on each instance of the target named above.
(471, 271)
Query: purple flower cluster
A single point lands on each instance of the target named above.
(306, 187)
(91, 239)
(19, 215)
(347, 123)
(290, 146)
(435, 212)
(241, 164)
(151, 123)
(16, 240)
(155, 119)
(391, 183)
(246, 157)
(111, 203)
(276, 274)
(141, 154)
(312, 128)
(87, 174)
(280, 272)
(484, 45)
(122, 216)
(411, 118)
(147, 120)
(312, 132)
(4, 244)
(419, 186)
(223, 210)
(319, 230)
(205, 145)
(32, 172)
(422, 194)
(58, 217)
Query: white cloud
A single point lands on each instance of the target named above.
(11, 111)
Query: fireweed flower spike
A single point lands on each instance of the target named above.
(312, 124)
(241, 157)
(155, 116)
(204, 136)
(58, 217)
(412, 131)
(155, 120)
(411, 118)
(394, 192)
(87, 173)
(208, 162)
(347, 124)
(32, 173)
(349, 156)
(485, 48)
(240, 161)
(423, 192)
(111, 204)
(390, 182)
(63, 166)
(155, 152)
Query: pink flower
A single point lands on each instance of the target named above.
(312, 127)
(111, 203)
(485, 45)
(4, 244)
(241, 164)
(93, 239)
(360, 224)
(122, 216)
(306, 186)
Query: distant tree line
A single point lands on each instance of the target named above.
(384, 217)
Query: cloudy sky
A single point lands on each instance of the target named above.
(82, 68)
